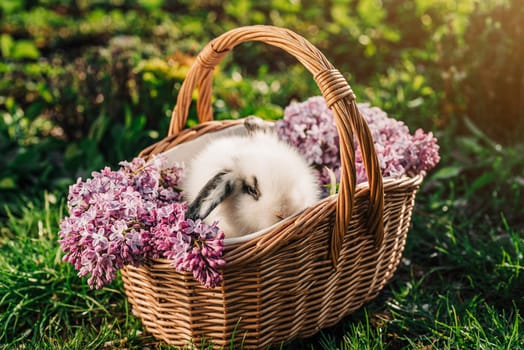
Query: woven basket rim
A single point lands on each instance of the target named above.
(246, 252)
(208, 127)
(363, 186)
(226, 124)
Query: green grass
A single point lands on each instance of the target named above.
(459, 286)
(43, 303)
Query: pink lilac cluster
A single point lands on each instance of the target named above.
(311, 128)
(135, 213)
(196, 251)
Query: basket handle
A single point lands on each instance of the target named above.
(338, 95)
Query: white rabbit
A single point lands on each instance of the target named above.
(247, 183)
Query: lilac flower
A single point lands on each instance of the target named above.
(422, 155)
(310, 127)
(199, 249)
(129, 215)
(170, 221)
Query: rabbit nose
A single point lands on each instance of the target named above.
(280, 216)
(282, 211)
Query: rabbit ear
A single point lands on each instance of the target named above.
(218, 188)
(255, 124)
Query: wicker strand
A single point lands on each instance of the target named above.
(333, 86)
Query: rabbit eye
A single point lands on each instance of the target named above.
(251, 190)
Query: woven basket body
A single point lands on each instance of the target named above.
(307, 272)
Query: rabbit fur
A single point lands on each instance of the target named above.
(247, 183)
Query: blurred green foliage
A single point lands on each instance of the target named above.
(483, 71)
(86, 83)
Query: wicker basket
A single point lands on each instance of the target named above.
(307, 272)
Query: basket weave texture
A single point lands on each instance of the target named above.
(307, 272)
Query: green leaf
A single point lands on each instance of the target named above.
(25, 49)
(481, 181)
(471, 144)
(447, 172)
(72, 150)
(372, 12)
(11, 6)
(151, 4)
(7, 183)
(99, 127)
(26, 160)
(6, 45)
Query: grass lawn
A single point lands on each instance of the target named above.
(459, 286)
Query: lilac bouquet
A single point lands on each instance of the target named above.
(311, 128)
(132, 214)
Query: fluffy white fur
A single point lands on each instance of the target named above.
(287, 184)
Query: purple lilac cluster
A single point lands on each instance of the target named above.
(133, 214)
(196, 251)
(311, 128)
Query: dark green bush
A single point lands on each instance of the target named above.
(484, 72)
